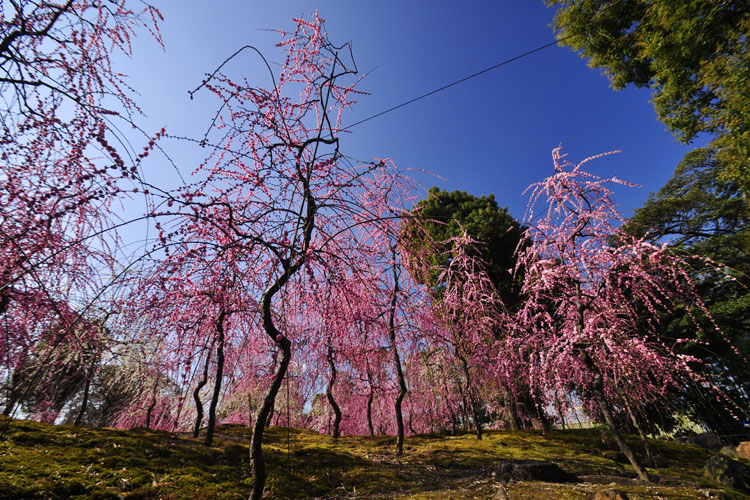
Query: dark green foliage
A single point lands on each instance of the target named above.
(693, 53)
(705, 216)
(445, 215)
(699, 211)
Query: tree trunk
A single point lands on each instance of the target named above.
(257, 462)
(370, 397)
(641, 433)
(219, 376)
(11, 402)
(14, 391)
(396, 360)
(84, 403)
(559, 408)
(151, 407)
(541, 416)
(464, 407)
(414, 433)
(329, 394)
(4, 301)
(511, 412)
(472, 400)
(597, 388)
(269, 420)
(196, 395)
(256, 451)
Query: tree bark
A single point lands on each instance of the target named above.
(257, 462)
(269, 420)
(559, 409)
(84, 403)
(396, 359)
(219, 376)
(256, 451)
(511, 412)
(208, 441)
(414, 433)
(470, 394)
(329, 395)
(541, 416)
(151, 407)
(11, 402)
(196, 395)
(370, 397)
(597, 388)
(641, 433)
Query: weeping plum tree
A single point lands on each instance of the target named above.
(594, 299)
(471, 309)
(281, 191)
(61, 100)
(467, 309)
(193, 290)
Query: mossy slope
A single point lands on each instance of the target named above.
(59, 462)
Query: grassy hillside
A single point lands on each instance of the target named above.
(57, 462)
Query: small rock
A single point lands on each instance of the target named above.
(501, 494)
(533, 470)
(715, 495)
(728, 472)
(706, 440)
(610, 495)
(743, 450)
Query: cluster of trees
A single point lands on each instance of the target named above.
(288, 285)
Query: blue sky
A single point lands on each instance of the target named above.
(493, 134)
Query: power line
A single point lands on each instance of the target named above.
(444, 87)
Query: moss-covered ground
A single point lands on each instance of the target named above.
(58, 462)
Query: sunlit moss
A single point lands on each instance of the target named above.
(59, 462)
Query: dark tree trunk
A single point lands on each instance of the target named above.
(454, 423)
(470, 393)
(219, 376)
(559, 408)
(257, 462)
(256, 451)
(396, 360)
(196, 395)
(370, 397)
(84, 403)
(4, 301)
(15, 394)
(12, 400)
(329, 394)
(151, 407)
(410, 426)
(541, 416)
(511, 412)
(269, 420)
(597, 388)
(641, 433)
